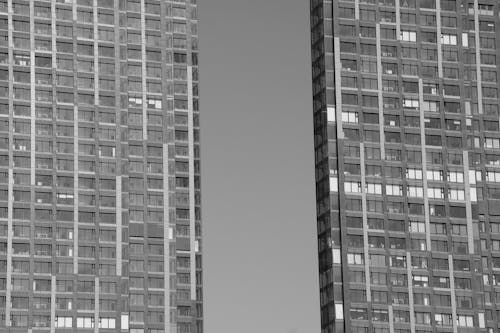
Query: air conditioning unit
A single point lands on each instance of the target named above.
(43, 166)
(389, 71)
(41, 235)
(41, 81)
(39, 200)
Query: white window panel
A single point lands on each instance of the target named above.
(339, 311)
(396, 190)
(456, 177)
(448, 39)
(473, 194)
(414, 174)
(435, 175)
(334, 184)
(374, 188)
(465, 39)
(330, 114)
(337, 259)
(415, 192)
(352, 187)
(409, 36)
(435, 193)
(350, 117)
(456, 194)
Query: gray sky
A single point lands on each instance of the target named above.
(257, 167)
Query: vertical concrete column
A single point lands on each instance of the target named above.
(468, 203)
(398, 19)
(365, 222)
(410, 292)
(11, 176)
(453, 299)
(167, 237)
(118, 225)
(391, 319)
(191, 183)
(478, 58)
(380, 95)
(143, 57)
(32, 138)
(96, 305)
(53, 288)
(96, 55)
(438, 32)
(75, 170)
(338, 87)
(33, 99)
(424, 165)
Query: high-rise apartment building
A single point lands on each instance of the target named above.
(99, 166)
(407, 149)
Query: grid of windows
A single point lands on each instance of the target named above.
(99, 166)
(407, 154)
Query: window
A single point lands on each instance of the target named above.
(369, 49)
(415, 191)
(443, 319)
(434, 175)
(487, 42)
(350, 117)
(377, 260)
(428, 20)
(346, 12)
(421, 299)
(448, 39)
(420, 280)
(85, 322)
(397, 243)
(347, 30)
(64, 322)
(368, 32)
(378, 278)
(408, 36)
(455, 177)
(369, 83)
(373, 188)
(368, 66)
(397, 261)
(456, 194)
(388, 33)
(366, 15)
(352, 187)
(435, 192)
(409, 52)
(358, 314)
(417, 226)
(107, 323)
(448, 21)
(408, 18)
(396, 190)
(355, 258)
(399, 298)
(465, 321)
